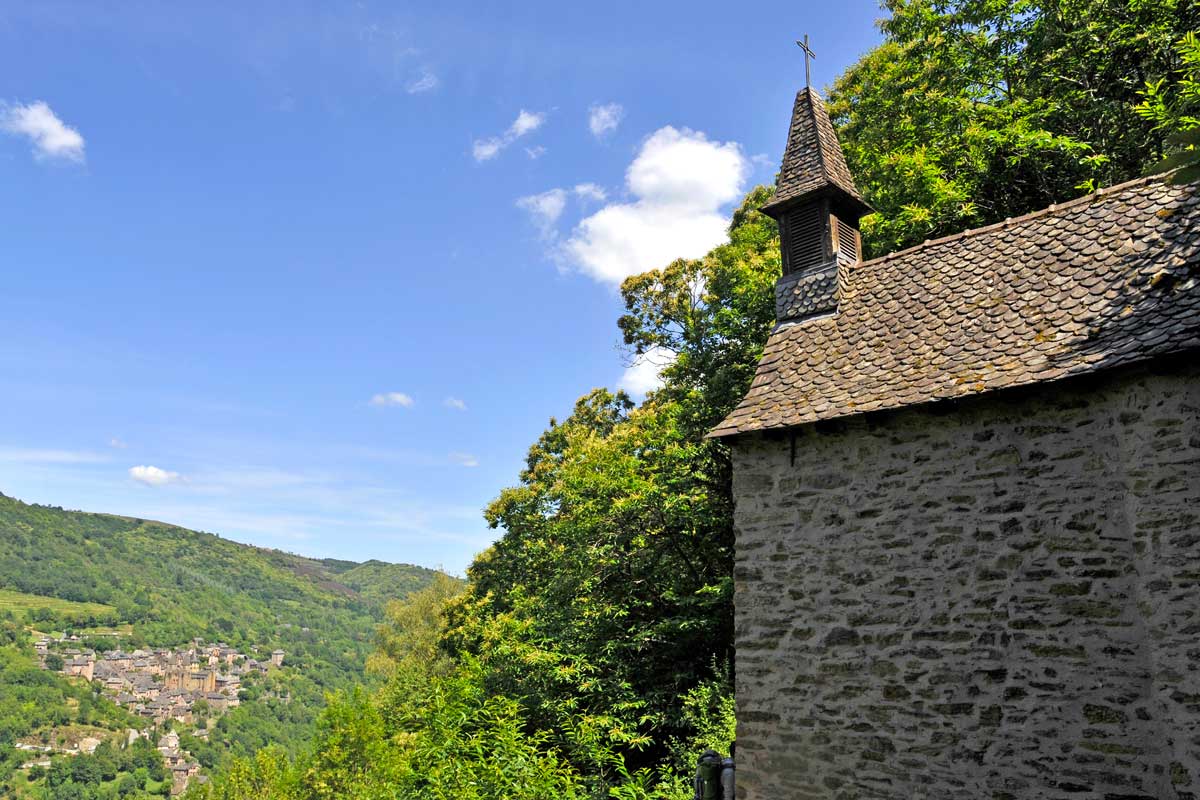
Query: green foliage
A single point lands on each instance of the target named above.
(976, 110)
(427, 734)
(40, 705)
(134, 772)
(713, 314)
(379, 583)
(33, 699)
(1175, 111)
(407, 644)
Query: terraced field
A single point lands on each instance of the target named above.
(19, 602)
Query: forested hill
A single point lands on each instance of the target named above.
(167, 585)
(126, 583)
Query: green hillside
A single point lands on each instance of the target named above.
(378, 582)
(174, 584)
(162, 585)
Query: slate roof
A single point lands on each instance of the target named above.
(1105, 280)
(813, 160)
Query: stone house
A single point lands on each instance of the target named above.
(181, 774)
(82, 666)
(218, 702)
(967, 479)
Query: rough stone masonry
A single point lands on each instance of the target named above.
(994, 597)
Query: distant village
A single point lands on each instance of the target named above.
(162, 685)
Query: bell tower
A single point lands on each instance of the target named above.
(818, 208)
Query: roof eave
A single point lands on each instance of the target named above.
(855, 204)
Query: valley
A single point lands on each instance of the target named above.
(137, 658)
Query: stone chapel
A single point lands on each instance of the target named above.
(967, 479)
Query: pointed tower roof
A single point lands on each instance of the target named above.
(813, 162)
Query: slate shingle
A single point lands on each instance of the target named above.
(1105, 280)
(813, 159)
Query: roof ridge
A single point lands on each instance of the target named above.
(1092, 197)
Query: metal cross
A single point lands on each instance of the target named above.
(808, 53)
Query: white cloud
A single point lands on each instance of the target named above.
(535, 152)
(526, 122)
(485, 149)
(153, 476)
(464, 459)
(645, 374)
(52, 139)
(545, 209)
(117, 443)
(384, 399)
(590, 191)
(680, 180)
(426, 81)
(603, 119)
(455, 403)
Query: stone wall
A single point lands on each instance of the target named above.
(992, 598)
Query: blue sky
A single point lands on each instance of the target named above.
(314, 276)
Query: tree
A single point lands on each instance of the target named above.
(712, 315)
(1175, 111)
(976, 110)
(407, 643)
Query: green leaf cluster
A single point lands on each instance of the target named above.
(972, 111)
(1175, 111)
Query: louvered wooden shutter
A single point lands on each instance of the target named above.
(804, 238)
(847, 238)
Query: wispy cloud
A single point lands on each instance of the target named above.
(455, 403)
(256, 478)
(526, 122)
(604, 119)
(590, 191)
(52, 139)
(544, 209)
(425, 81)
(384, 399)
(116, 443)
(153, 476)
(49, 456)
(464, 459)
(535, 152)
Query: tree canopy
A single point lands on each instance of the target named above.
(972, 111)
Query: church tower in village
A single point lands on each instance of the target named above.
(818, 208)
(967, 482)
